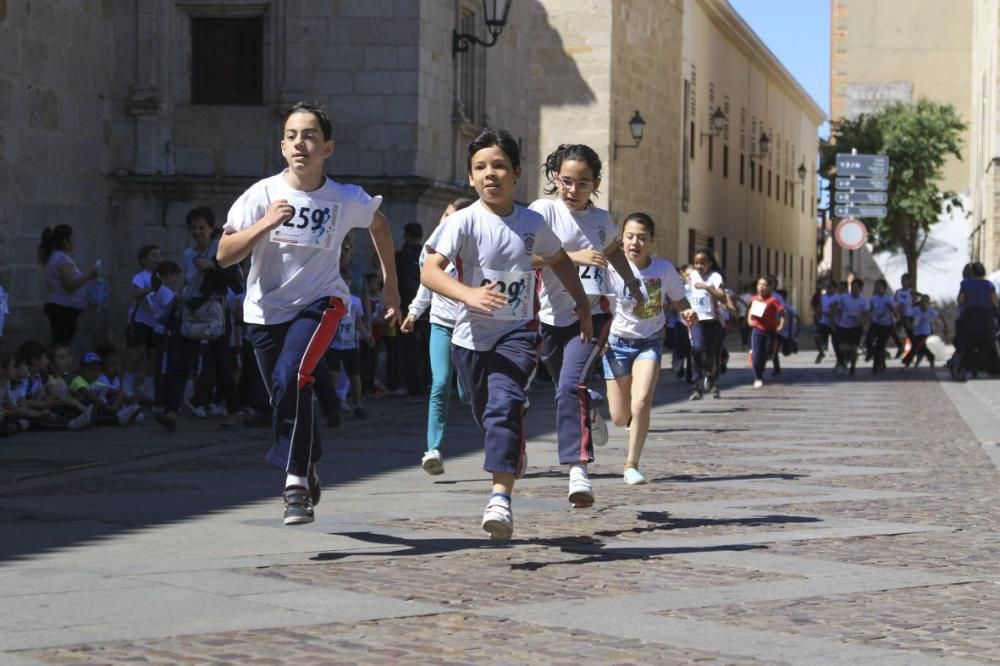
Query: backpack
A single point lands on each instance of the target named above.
(206, 322)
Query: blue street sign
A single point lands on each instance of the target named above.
(861, 184)
(880, 198)
(860, 211)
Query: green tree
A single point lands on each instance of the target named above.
(918, 138)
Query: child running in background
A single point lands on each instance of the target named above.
(881, 326)
(343, 352)
(766, 315)
(495, 338)
(851, 314)
(709, 296)
(632, 360)
(590, 238)
(789, 333)
(444, 312)
(922, 318)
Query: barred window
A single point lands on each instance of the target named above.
(227, 60)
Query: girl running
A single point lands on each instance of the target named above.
(880, 329)
(708, 295)
(767, 317)
(590, 238)
(632, 361)
(494, 341)
(851, 314)
(444, 312)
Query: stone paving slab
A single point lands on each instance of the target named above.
(815, 521)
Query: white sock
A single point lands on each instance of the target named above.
(293, 480)
(578, 471)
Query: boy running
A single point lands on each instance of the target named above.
(292, 226)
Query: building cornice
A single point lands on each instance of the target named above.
(732, 25)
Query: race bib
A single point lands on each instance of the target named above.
(312, 225)
(517, 286)
(594, 280)
(345, 332)
(757, 309)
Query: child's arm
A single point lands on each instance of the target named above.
(565, 270)
(382, 238)
(236, 246)
(619, 262)
(437, 280)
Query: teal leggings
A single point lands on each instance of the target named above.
(441, 374)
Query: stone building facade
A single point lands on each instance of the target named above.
(117, 117)
(984, 146)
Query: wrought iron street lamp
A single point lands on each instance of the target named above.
(495, 13)
(636, 126)
(803, 172)
(718, 119)
(763, 146)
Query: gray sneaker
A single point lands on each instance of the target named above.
(432, 463)
(598, 428)
(298, 506)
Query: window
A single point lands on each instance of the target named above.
(758, 259)
(739, 258)
(711, 151)
(691, 142)
(777, 188)
(768, 255)
(760, 178)
(770, 179)
(725, 252)
(227, 60)
(753, 175)
(725, 161)
(471, 72)
(742, 165)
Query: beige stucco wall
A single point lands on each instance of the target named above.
(925, 43)
(983, 144)
(729, 66)
(646, 77)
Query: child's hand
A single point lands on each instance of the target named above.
(484, 298)
(280, 212)
(408, 324)
(589, 258)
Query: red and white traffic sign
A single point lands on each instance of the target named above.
(851, 234)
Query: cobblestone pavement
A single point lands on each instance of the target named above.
(818, 520)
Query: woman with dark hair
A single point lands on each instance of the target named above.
(66, 296)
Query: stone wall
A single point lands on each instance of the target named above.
(56, 94)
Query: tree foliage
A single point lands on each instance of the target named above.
(918, 138)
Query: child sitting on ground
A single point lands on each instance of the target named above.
(88, 389)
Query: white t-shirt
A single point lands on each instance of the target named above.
(922, 320)
(881, 309)
(299, 262)
(660, 284)
(591, 228)
(444, 311)
(486, 247)
(161, 303)
(852, 311)
(142, 280)
(701, 301)
(347, 331)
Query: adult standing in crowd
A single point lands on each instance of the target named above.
(67, 297)
(412, 347)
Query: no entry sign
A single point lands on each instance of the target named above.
(851, 234)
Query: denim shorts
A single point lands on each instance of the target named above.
(623, 352)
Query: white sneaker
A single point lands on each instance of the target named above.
(199, 412)
(581, 492)
(498, 520)
(216, 410)
(598, 428)
(81, 421)
(432, 463)
(128, 414)
(757, 383)
(633, 477)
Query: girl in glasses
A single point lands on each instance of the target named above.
(590, 238)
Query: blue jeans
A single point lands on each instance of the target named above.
(622, 353)
(442, 372)
(761, 349)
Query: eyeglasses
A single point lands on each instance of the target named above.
(580, 185)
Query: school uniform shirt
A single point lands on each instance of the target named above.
(904, 300)
(660, 284)
(826, 302)
(791, 329)
(588, 229)
(701, 301)
(347, 331)
(141, 311)
(486, 247)
(299, 262)
(851, 311)
(4, 310)
(444, 311)
(35, 386)
(881, 309)
(922, 320)
(161, 303)
(764, 312)
(18, 391)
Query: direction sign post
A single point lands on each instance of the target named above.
(867, 166)
(849, 183)
(860, 211)
(852, 197)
